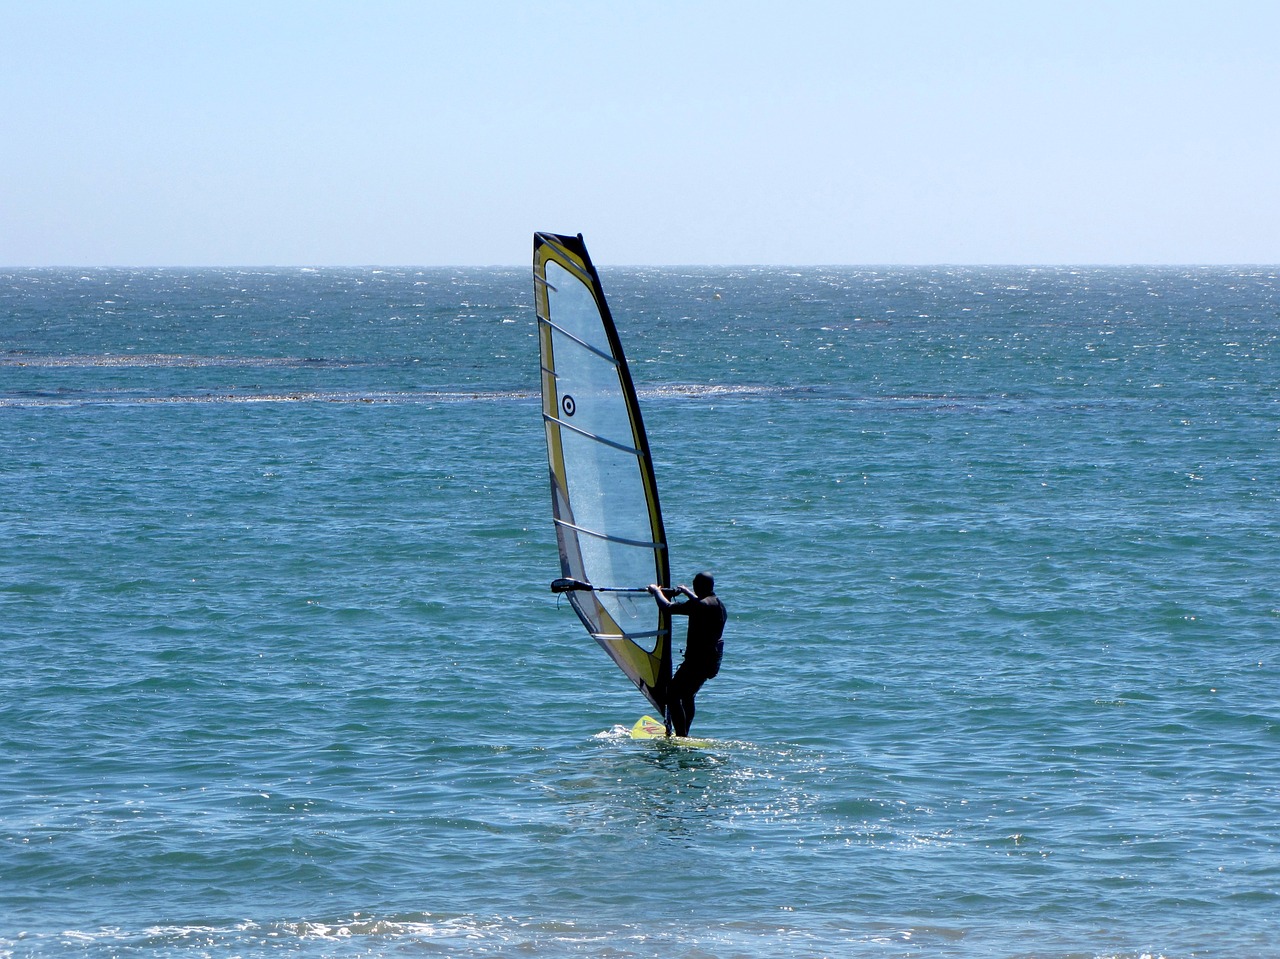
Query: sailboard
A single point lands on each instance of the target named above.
(649, 728)
(604, 499)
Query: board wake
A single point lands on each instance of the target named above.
(649, 728)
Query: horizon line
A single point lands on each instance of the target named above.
(659, 266)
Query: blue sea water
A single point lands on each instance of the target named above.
(280, 673)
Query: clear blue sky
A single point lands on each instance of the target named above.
(276, 132)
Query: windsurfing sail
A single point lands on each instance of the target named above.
(604, 500)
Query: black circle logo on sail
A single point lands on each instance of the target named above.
(568, 405)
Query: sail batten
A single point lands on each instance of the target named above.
(565, 524)
(601, 353)
(604, 497)
(622, 447)
(614, 636)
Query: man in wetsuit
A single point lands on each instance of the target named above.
(703, 645)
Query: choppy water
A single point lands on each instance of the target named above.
(281, 673)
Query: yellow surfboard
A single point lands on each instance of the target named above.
(649, 728)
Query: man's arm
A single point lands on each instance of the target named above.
(662, 594)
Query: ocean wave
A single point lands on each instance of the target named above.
(171, 360)
(431, 934)
(719, 390)
(143, 397)
(28, 399)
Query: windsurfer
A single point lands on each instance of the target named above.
(704, 645)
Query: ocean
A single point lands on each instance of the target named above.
(282, 675)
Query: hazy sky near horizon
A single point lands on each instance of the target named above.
(391, 132)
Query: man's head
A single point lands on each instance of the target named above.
(704, 584)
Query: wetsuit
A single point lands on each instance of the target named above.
(703, 649)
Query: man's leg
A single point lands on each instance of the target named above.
(687, 705)
(684, 686)
(680, 702)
